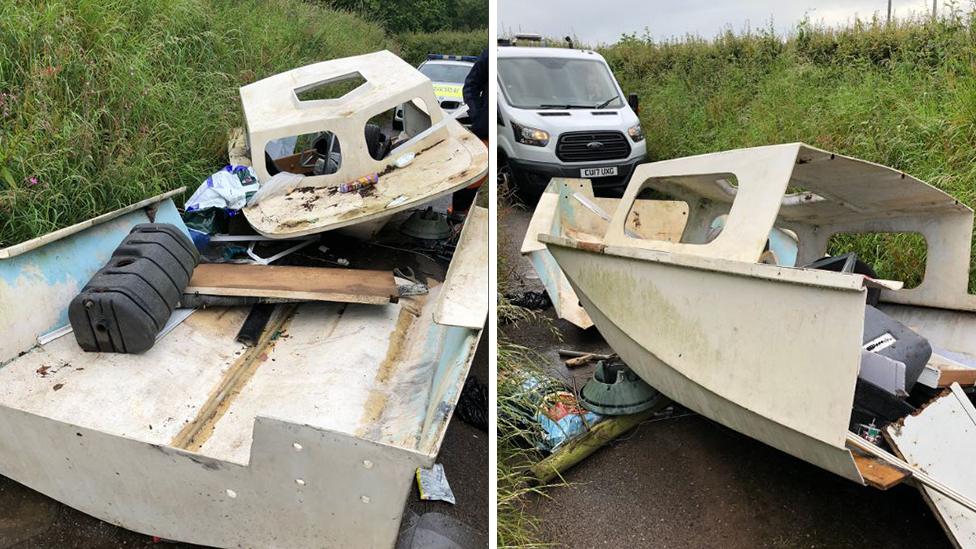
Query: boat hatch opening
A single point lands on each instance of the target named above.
(706, 212)
(331, 88)
(890, 255)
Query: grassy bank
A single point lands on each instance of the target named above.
(903, 95)
(105, 103)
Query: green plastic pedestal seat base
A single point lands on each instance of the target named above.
(615, 390)
(426, 225)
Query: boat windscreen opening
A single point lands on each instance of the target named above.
(317, 153)
(893, 256)
(332, 88)
(703, 199)
(393, 127)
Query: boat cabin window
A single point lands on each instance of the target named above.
(892, 256)
(316, 153)
(689, 209)
(392, 127)
(333, 88)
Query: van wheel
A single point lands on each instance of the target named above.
(513, 185)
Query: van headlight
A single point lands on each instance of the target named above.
(636, 133)
(530, 136)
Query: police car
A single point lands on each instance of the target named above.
(447, 73)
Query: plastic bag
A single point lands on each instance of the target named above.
(281, 183)
(226, 189)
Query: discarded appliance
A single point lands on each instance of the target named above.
(763, 345)
(615, 390)
(309, 438)
(437, 157)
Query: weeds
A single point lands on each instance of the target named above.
(516, 526)
(414, 47)
(103, 104)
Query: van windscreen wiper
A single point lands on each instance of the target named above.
(564, 107)
(605, 103)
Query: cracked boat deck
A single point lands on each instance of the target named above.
(310, 438)
(365, 370)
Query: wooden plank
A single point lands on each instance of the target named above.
(947, 372)
(304, 283)
(964, 377)
(877, 473)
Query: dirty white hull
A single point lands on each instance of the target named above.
(178, 495)
(311, 438)
(680, 350)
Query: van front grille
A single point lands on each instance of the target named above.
(592, 146)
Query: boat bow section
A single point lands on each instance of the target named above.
(692, 334)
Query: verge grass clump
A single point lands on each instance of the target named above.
(900, 94)
(106, 103)
(517, 525)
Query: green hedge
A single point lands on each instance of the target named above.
(902, 95)
(414, 47)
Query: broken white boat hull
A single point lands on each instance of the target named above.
(680, 340)
(747, 338)
(310, 439)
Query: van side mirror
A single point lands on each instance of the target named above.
(634, 102)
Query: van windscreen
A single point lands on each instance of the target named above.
(557, 83)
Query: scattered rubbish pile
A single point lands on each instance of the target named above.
(739, 314)
(287, 350)
(534, 301)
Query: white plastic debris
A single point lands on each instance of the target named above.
(433, 484)
(281, 183)
(397, 201)
(405, 160)
(224, 189)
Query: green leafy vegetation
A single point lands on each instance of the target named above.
(103, 104)
(517, 525)
(903, 95)
(419, 15)
(414, 46)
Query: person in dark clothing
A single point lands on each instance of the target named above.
(476, 95)
(476, 98)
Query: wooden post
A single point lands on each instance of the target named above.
(577, 449)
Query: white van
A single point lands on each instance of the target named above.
(561, 113)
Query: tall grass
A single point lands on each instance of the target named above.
(104, 103)
(903, 95)
(517, 527)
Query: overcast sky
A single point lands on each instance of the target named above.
(597, 22)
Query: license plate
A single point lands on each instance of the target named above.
(598, 172)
